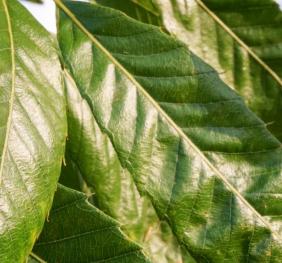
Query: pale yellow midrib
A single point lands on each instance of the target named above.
(240, 42)
(12, 96)
(37, 258)
(161, 111)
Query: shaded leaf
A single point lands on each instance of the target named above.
(141, 10)
(76, 232)
(32, 129)
(91, 157)
(189, 141)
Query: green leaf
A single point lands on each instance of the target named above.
(32, 129)
(33, 258)
(35, 1)
(94, 166)
(209, 166)
(141, 10)
(241, 39)
(257, 23)
(76, 232)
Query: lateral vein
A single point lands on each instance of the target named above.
(72, 16)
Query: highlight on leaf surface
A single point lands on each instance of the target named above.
(164, 161)
(240, 39)
(188, 140)
(32, 129)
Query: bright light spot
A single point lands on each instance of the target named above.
(44, 13)
(280, 3)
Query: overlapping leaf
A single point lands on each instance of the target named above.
(32, 129)
(76, 232)
(257, 23)
(232, 49)
(93, 165)
(189, 142)
(142, 10)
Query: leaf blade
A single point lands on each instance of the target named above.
(226, 49)
(31, 143)
(114, 191)
(170, 195)
(230, 52)
(99, 234)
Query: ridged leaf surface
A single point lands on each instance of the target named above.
(209, 166)
(32, 129)
(240, 42)
(94, 166)
(77, 232)
(257, 23)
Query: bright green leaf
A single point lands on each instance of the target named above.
(32, 129)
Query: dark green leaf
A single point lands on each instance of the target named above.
(141, 10)
(208, 165)
(77, 232)
(32, 129)
(245, 48)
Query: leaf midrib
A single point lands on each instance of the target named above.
(40, 260)
(12, 96)
(163, 113)
(240, 42)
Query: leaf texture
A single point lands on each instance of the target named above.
(242, 44)
(93, 166)
(249, 52)
(142, 10)
(257, 23)
(32, 129)
(187, 20)
(188, 140)
(77, 232)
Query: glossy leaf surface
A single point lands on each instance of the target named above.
(32, 129)
(189, 141)
(93, 166)
(200, 30)
(242, 40)
(257, 23)
(77, 232)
